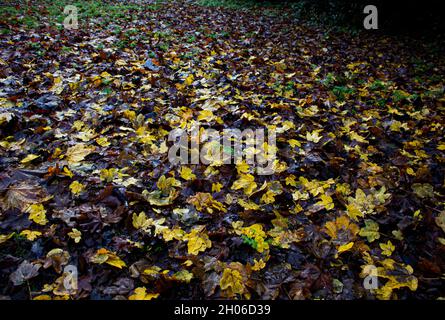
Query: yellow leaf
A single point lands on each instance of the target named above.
(5, 237)
(108, 174)
(326, 202)
(268, 197)
(216, 187)
(140, 221)
(183, 276)
(294, 143)
(204, 200)
(290, 181)
(248, 205)
(187, 174)
(141, 294)
(189, 80)
(103, 142)
(370, 231)
(197, 241)
(206, 115)
(232, 282)
(345, 247)
(75, 234)
(258, 265)
(245, 182)
(78, 152)
(387, 248)
(29, 158)
(105, 256)
(37, 213)
(242, 167)
(67, 172)
(76, 187)
(30, 235)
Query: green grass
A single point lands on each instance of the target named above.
(236, 4)
(31, 16)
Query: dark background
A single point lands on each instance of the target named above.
(395, 16)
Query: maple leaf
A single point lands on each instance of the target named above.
(29, 158)
(204, 201)
(231, 281)
(187, 174)
(105, 256)
(387, 248)
(326, 202)
(197, 241)
(37, 213)
(76, 188)
(22, 195)
(6, 237)
(77, 153)
(140, 293)
(24, 272)
(341, 227)
(75, 234)
(245, 182)
(30, 235)
(370, 231)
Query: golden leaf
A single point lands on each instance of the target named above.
(140, 293)
(30, 235)
(37, 213)
(77, 153)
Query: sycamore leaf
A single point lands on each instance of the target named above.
(29, 158)
(187, 174)
(75, 234)
(76, 188)
(6, 237)
(198, 241)
(105, 256)
(423, 190)
(387, 248)
(37, 213)
(77, 153)
(245, 182)
(345, 247)
(232, 282)
(370, 231)
(30, 235)
(140, 293)
(24, 272)
(141, 221)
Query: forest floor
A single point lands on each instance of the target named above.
(92, 208)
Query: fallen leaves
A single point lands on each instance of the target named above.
(37, 213)
(86, 180)
(141, 294)
(197, 241)
(105, 256)
(25, 271)
(78, 152)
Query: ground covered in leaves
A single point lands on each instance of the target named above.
(359, 182)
